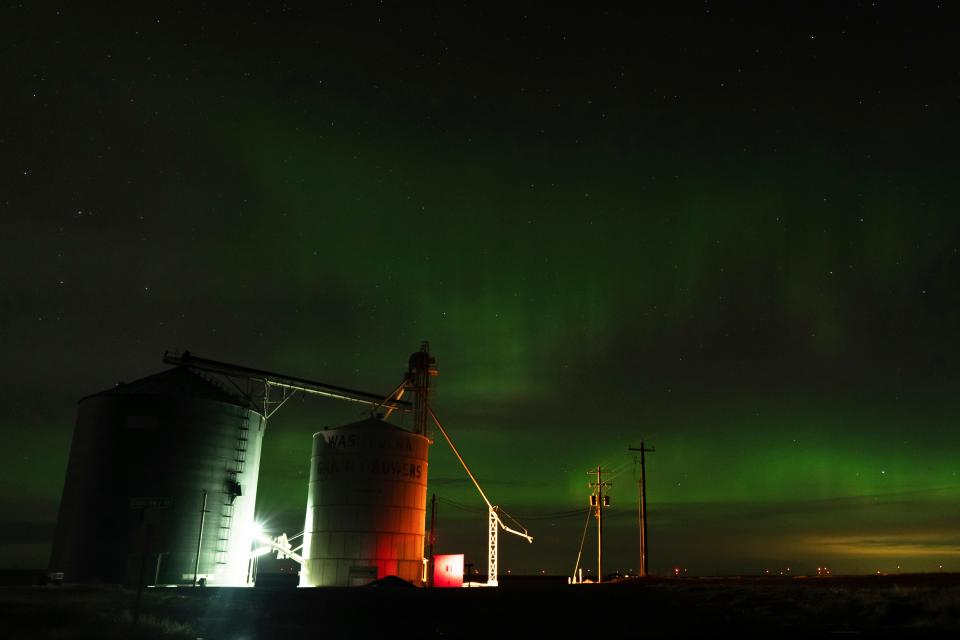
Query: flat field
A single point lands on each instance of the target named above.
(894, 605)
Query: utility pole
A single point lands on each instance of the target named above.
(642, 509)
(203, 516)
(599, 501)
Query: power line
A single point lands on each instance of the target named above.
(583, 539)
(548, 515)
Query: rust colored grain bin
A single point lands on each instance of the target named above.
(366, 505)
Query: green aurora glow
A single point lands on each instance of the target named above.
(765, 288)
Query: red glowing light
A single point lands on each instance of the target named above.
(448, 570)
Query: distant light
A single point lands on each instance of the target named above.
(262, 551)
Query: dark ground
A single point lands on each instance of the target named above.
(894, 605)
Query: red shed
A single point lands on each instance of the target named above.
(448, 570)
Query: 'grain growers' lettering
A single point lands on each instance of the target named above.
(381, 466)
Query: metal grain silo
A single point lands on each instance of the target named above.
(366, 505)
(144, 457)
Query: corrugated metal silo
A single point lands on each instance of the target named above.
(366, 505)
(142, 455)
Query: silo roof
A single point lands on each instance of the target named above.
(370, 423)
(179, 381)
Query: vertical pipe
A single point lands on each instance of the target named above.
(203, 515)
(156, 571)
(433, 519)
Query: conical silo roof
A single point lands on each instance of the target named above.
(179, 381)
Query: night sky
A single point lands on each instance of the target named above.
(728, 230)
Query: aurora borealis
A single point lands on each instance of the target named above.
(728, 231)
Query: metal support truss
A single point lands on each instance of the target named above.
(286, 394)
(492, 548)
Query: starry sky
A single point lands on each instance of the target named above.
(729, 230)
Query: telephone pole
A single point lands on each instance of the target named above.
(642, 509)
(598, 500)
